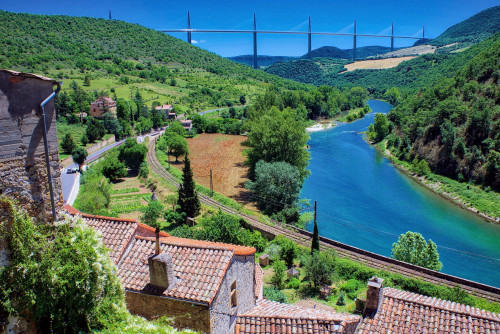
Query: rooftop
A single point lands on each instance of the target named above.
(406, 312)
(272, 317)
(199, 265)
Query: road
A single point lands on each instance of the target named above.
(209, 111)
(68, 180)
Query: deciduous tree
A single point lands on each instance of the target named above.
(411, 247)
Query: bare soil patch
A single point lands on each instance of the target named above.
(376, 64)
(224, 155)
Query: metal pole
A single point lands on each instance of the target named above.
(315, 211)
(309, 40)
(254, 42)
(211, 184)
(423, 31)
(354, 42)
(46, 147)
(189, 29)
(110, 14)
(392, 37)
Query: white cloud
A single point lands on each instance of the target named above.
(193, 41)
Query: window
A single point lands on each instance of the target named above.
(234, 295)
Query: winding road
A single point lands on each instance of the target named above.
(304, 238)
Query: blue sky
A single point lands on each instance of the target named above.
(373, 17)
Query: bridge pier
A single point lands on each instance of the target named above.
(354, 42)
(189, 29)
(254, 42)
(309, 40)
(392, 37)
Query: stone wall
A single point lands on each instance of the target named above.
(184, 314)
(223, 317)
(23, 171)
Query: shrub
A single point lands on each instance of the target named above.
(341, 298)
(294, 283)
(279, 275)
(60, 275)
(272, 293)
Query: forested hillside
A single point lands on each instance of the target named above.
(120, 55)
(454, 124)
(262, 60)
(308, 70)
(473, 30)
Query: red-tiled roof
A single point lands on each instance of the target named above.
(406, 312)
(199, 270)
(273, 317)
(163, 107)
(200, 265)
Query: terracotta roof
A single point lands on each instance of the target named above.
(199, 270)
(200, 265)
(406, 312)
(273, 317)
(165, 106)
(259, 282)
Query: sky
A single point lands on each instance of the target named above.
(372, 16)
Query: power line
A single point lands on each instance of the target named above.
(365, 228)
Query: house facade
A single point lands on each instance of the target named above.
(168, 109)
(102, 105)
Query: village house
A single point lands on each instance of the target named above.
(102, 105)
(168, 110)
(187, 124)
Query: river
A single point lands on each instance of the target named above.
(364, 201)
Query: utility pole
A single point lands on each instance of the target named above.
(211, 184)
(315, 237)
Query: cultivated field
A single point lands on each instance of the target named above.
(224, 155)
(376, 64)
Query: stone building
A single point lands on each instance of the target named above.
(23, 164)
(102, 105)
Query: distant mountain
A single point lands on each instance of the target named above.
(261, 60)
(473, 30)
(308, 70)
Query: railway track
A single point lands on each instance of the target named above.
(303, 237)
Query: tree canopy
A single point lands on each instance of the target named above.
(411, 247)
(277, 136)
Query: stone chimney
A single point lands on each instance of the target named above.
(161, 269)
(374, 296)
(24, 165)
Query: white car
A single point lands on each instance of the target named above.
(71, 170)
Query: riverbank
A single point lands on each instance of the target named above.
(321, 125)
(449, 189)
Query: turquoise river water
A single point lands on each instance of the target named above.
(364, 201)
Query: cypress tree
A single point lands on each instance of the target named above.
(315, 239)
(188, 196)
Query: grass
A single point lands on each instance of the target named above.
(76, 131)
(162, 157)
(124, 191)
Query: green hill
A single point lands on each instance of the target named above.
(361, 52)
(262, 61)
(307, 70)
(122, 57)
(474, 29)
(454, 124)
